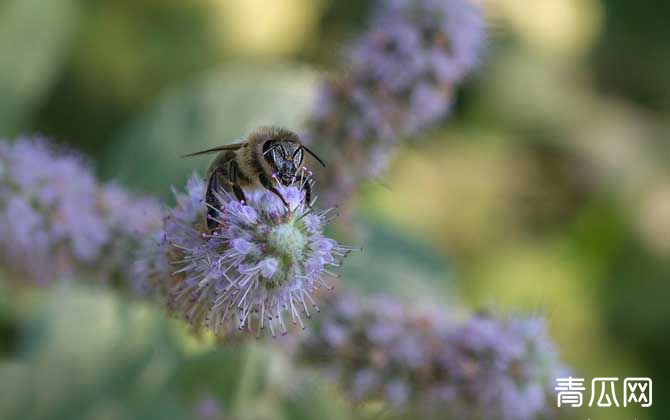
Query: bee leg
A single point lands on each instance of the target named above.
(308, 193)
(232, 177)
(215, 183)
(265, 182)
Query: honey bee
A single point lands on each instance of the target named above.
(266, 153)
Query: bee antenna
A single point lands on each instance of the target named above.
(314, 155)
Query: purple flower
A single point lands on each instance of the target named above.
(483, 368)
(208, 408)
(501, 369)
(399, 78)
(131, 214)
(57, 220)
(260, 266)
(49, 222)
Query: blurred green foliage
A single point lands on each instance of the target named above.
(208, 112)
(631, 58)
(392, 262)
(34, 41)
(548, 189)
(104, 359)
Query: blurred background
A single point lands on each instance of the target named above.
(546, 192)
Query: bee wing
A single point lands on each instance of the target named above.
(233, 146)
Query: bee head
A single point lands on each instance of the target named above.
(285, 157)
